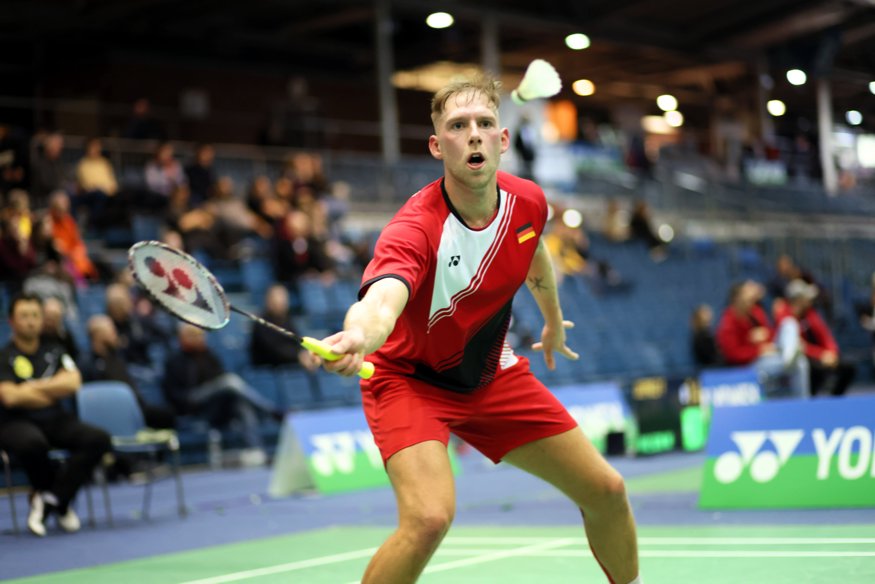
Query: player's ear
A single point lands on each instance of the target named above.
(434, 146)
(505, 140)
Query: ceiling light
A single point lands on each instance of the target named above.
(776, 107)
(797, 77)
(667, 103)
(439, 20)
(577, 41)
(854, 117)
(674, 118)
(583, 87)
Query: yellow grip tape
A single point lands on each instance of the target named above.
(324, 351)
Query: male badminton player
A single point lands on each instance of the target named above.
(433, 314)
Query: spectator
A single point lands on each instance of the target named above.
(745, 337)
(196, 383)
(135, 333)
(48, 171)
(263, 201)
(17, 256)
(66, 238)
(107, 364)
(524, 145)
(50, 280)
(55, 327)
(615, 226)
(270, 348)
(828, 373)
(164, 174)
(297, 252)
(641, 227)
(96, 182)
(200, 174)
(35, 377)
(142, 125)
(787, 270)
(704, 344)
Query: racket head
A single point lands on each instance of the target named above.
(180, 284)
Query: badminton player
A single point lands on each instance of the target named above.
(433, 313)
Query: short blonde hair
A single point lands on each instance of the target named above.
(483, 84)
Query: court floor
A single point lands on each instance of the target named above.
(509, 555)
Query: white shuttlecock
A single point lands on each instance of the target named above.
(540, 80)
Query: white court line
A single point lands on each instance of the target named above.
(291, 566)
(491, 556)
(464, 540)
(672, 553)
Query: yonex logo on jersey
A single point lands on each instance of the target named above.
(454, 260)
(764, 465)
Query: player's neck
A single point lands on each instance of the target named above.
(28, 346)
(476, 207)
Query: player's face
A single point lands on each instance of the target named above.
(27, 320)
(469, 140)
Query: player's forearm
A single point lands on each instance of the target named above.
(541, 281)
(374, 316)
(61, 385)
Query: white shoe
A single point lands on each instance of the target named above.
(36, 516)
(69, 521)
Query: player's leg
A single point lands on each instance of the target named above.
(423, 483)
(571, 463)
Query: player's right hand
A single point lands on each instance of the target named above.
(349, 346)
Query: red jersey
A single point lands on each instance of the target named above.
(461, 283)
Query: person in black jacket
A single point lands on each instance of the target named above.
(704, 345)
(270, 348)
(196, 383)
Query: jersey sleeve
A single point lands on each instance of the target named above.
(402, 253)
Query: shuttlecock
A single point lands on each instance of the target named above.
(540, 80)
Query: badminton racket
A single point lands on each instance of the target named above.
(186, 289)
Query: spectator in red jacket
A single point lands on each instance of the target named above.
(828, 373)
(746, 337)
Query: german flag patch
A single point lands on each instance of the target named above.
(525, 233)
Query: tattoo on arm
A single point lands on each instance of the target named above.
(537, 284)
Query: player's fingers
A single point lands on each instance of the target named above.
(549, 360)
(539, 346)
(568, 324)
(569, 354)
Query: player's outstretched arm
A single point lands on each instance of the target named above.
(541, 282)
(367, 325)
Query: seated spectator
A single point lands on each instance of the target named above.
(50, 280)
(196, 383)
(268, 347)
(66, 237)
(640, 227)
(106, 363)
(263, 201)
(142, 125)
(828, 373)
(135, 333)
(200, 174)
(96, 183)
(236, 227)
(55, 327)
(164, 174)
(48, 172)
(17, 256)
(297, 251)
(745, 337)
(787, 270)
(35, 377)
(704, 344)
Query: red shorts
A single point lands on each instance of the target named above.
(513, 410)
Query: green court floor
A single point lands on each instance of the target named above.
(723, 555)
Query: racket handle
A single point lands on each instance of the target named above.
(324, 351)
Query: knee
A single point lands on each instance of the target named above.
(609, 493)
(429, 526)
(31, 450)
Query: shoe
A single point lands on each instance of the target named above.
(69, 521)
(36, 516)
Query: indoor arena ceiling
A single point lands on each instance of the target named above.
(698, 49)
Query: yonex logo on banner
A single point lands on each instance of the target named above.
(764, 465)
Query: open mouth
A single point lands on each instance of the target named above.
(476, 160)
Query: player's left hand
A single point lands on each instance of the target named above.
(553, 340)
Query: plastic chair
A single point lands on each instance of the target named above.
(112, 406)
(56, 454)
